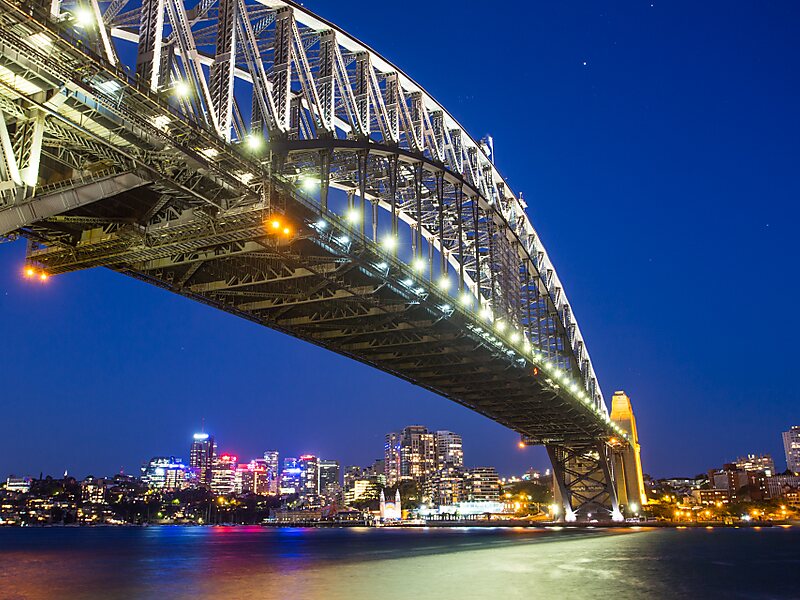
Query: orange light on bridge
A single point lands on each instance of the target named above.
(521, 444)
(276, 224)
(29, 272)
(43, 276)
(286, 231)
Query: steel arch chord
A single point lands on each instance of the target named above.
(255, 157)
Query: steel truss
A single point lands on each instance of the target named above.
(165, 176)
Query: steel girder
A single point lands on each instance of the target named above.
(330, 109)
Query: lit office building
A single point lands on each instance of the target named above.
(410, 455)
(791, 445)
(753, 462)
(290, 476)
(202, 455)
(352, 474)
(273, 471)
(223, 475)
(329, 485)
(309, 476)
(482, 484)
(165, 473)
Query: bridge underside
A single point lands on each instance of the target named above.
(100, 170)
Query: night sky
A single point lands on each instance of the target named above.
(657, 147)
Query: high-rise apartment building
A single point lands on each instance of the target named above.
(449, 450)
(417, 453)
(202, 455)
(391, 458)
(791, 445)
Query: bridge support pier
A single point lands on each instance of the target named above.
(584, 482)
(627, 461)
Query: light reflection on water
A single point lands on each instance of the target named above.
(365, 564)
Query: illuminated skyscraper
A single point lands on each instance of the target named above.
(290, 476)
(223, 475)
(329, 485)
(791, 445)
(309, 476)
(391, 455)
(202, 455)
(273, 471)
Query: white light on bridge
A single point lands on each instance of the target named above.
(182, 89)
(344, 240)
(390, 242)
(486, 314)
(382, 266)
(444, 283)
(408, 282)
(209, 152)
(254, 142)
(515, 337)
(418, 265)
(466, 299)
(321, 224)
(500, 326)
(83, 17)
(353, 216)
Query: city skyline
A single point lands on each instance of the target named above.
(102, 364)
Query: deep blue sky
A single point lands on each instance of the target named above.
(662, 175)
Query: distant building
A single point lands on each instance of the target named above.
(223, 475)
(753, 462)
(271, 457)
(392, 458)
(713, 497)
(361, 489)
(290, 476)
(329, 483)
(449, 450)
(93, 490)
(482, 484)
(780, 486)
(309, 476)
(20, 485)
(791, 446)
(166, 473)
(202, 455)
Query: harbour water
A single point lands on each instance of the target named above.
(366, 564)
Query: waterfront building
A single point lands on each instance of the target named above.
(391, 511)
(165, 473)
(202, 454)
(271, 458)
(791, 446)
(729, 478)
(753, 462)
(417, 453)
(361, 489)
(711, 497)
(223, 475)
(482, 484)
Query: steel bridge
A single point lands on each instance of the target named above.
(252, 156)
